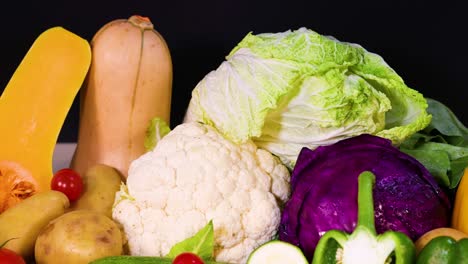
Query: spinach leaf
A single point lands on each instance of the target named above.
(442, 147)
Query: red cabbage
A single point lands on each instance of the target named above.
(324, 192)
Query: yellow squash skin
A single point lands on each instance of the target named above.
(33, 108)
(130, 82)
(460, 210)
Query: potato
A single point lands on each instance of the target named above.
(78, 237)
(101, 182)
(442, 231)
(24, 221)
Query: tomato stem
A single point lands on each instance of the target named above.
(8, 240)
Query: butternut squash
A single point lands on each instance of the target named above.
(33, 107)
(129, 83)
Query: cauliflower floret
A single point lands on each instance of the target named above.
(195, 175)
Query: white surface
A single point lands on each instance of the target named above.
(63, 154)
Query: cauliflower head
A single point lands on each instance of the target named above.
(192, 176)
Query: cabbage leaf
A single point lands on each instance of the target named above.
(299, 88)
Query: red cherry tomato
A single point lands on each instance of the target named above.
(8, 256)
(187, 258)
(68, 182)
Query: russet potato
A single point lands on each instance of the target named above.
(78, 237)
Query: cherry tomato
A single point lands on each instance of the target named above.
(187, 258)
(8, 256)
(68, 182)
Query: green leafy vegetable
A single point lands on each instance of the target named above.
(442, 147)
(301, 89)
(202, 244)
(156, 130)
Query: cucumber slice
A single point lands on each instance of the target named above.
(277, 252)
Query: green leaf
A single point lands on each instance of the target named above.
(445, 121)
(442, 147)
(156, 130)
(436, 162)
(457, 170)
(202, 244)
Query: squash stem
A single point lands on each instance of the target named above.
(142, 22)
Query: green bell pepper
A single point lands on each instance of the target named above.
(364, 245)
(444, 250)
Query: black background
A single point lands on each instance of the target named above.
(423, 41)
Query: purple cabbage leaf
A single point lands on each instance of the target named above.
(324, 192)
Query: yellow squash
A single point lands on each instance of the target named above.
(460, 210)
(33, 107)
(129, 83)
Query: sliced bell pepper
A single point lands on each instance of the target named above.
(444, 250)
(364, 245)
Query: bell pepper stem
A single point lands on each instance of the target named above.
(366, 182)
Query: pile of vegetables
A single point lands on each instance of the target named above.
(298, 148)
